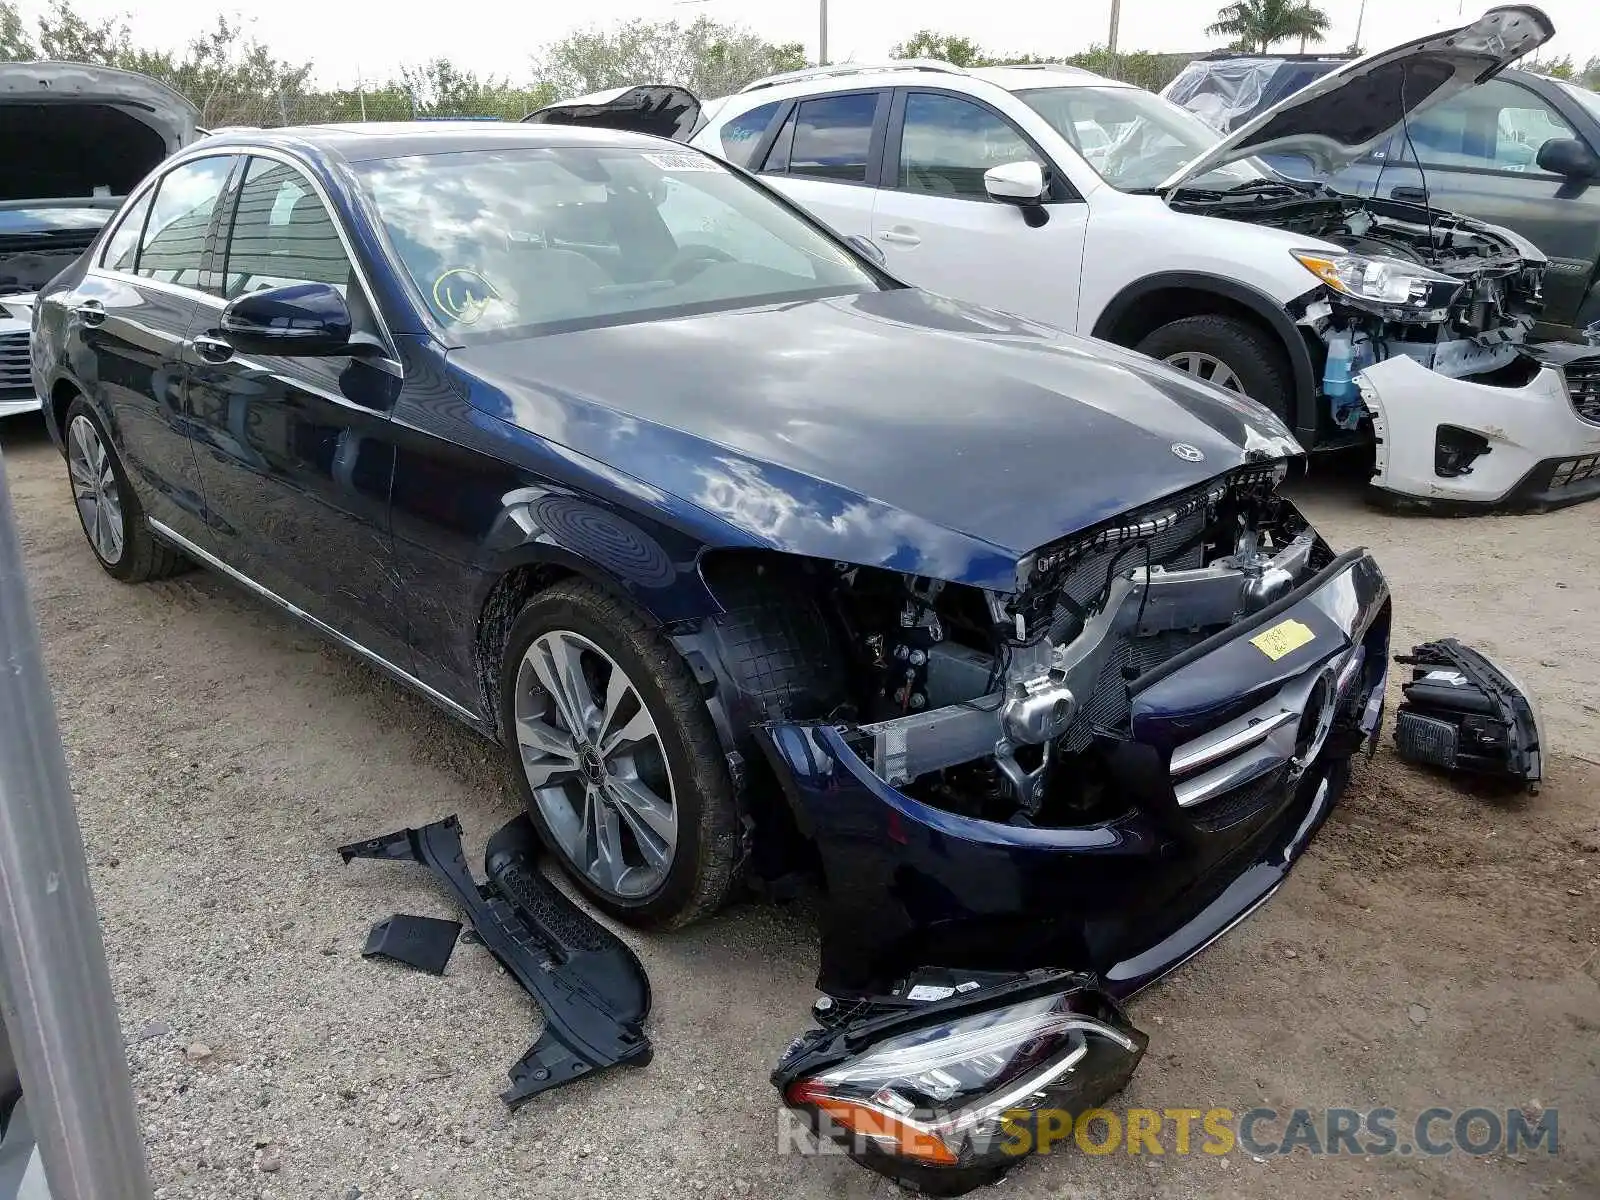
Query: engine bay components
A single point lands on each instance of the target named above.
(990, 694)
(1464, 713)
(590, 987)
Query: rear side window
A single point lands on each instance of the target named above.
(175, 235)
(833, 137)
(122, 247)
(743, 134)
(282, 233)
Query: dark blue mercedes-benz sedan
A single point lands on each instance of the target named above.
(751, 557)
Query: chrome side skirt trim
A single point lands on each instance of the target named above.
(405, 677)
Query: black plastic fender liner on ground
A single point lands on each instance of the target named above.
(592, 989)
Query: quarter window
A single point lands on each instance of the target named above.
(122, 247)
(282, 234)
(743, 134)
(948, 143)
(833, 137)
(175, 235)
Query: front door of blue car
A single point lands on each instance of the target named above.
(295, 454)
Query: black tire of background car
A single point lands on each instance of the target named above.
(144, 557)
(1248, 351)
(702, 870)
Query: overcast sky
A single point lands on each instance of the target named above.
(371, 38)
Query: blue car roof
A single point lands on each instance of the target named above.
(394, 139)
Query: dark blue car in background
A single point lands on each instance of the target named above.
(753, 558)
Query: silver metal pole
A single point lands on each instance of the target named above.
(1116, 20)
(1361, 17)
(822, 33)
(55, 990)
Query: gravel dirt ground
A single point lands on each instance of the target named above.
(1434, 948)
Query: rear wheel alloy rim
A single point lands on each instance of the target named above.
(94, 488)
(596, 765)
(1206, 366)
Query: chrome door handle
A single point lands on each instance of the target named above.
(90, 312)
(212, 349)
(900, 237)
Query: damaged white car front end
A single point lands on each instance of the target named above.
(1525, 438)
(1420, 326)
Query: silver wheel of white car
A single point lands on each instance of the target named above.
(596, 764)
(95, 490)
(1208, 367)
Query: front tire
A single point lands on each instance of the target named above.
(113, 520)
(1232, 354)
(617, 759)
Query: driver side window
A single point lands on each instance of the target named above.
(948, 143)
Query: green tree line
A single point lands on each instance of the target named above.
(234, 78)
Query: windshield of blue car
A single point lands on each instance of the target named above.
(1150, 137)
(538, 239)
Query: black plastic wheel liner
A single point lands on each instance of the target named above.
(591, 988)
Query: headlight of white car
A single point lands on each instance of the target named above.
(1400, 289)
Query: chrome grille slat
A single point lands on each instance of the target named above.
(14, 362)
(1583, 385)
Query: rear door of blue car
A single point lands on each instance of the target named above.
(126, 322)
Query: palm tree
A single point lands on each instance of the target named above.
(1258, 24)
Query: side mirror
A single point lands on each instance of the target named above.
(868, 248)
(1569, 158)
(1015, 183)
(301, 319)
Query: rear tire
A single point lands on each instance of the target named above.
(112, 518)
(1257, 365)
(595, 807)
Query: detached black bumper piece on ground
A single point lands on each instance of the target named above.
(591, 988)
(1463, 713)
(425, 943)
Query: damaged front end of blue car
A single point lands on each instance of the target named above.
(1013, 843)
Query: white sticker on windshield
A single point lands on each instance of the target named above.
(681, 161)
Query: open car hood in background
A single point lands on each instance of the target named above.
(661, 110)
(1338, 118)
(150, 101)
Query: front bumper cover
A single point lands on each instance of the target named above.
(1458, 445)
(1131, 898)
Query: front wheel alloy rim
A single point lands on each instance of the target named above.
(595, 762)
(94, 488)
(1206, 366)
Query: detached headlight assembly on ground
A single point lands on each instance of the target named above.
(924, 1094)
(1398, 289)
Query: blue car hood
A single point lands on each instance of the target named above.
(893, 429)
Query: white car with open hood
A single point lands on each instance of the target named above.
(1351, 317)
(75, 139)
